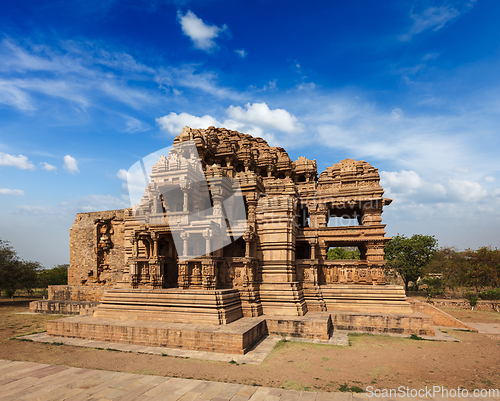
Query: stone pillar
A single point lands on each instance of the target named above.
(185, 190)
(154, 237)
(184, 236)
(207, 234)
(313, 243)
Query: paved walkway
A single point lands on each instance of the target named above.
(31, 381)
(34, 381)
(486, 328)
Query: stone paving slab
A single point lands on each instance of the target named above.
(486, 328)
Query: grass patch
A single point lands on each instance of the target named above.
(415, 337)
(291, 384)
(345, 388)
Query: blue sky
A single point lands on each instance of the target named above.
(89, 87)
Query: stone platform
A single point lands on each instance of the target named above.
(234, 338)
(171, 305)
(239, 336)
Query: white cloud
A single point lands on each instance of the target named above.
(19, 161)
(15, 192)
(489, 179)
(256, 119)
(201, 34)
(242, 53)
(409, 188)
(465, 191)
(122, 174)
(70, 164)
(48, 167)
(260, 115)
(401, 182)
(173, 122)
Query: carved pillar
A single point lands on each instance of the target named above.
(251, 200)
(217, 197)
(183, 275)
(155, 278)
(209, 274)
(248, 237)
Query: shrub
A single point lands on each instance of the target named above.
(472, 298)
(492, 295)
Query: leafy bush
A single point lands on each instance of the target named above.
(472, 298)
(492, 295)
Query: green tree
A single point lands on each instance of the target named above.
(410, 256)
(343, 253)
(16, 273)
(482, 268)
(8, 259)
(449, 264)
(58, 275)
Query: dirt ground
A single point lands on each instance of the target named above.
(378, 361)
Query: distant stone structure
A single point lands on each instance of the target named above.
(275, 270)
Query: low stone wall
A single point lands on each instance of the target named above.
(62, 307)
(415, 323)
(439, 317)
(464, 304)
(87, 293)
(313, 325)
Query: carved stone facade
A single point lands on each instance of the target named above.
(278, 263)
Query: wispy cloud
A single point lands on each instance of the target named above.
(242, 53)
(20, 161)
(435, 17)
(193, 77)
(199, 32)
(79, 73)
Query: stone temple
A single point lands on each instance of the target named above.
(228, 244)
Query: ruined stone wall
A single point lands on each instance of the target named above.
(97, 248)
(76, 292)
